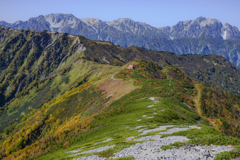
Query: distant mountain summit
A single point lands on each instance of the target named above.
(61, 21)
(202, 27)
(199, 36)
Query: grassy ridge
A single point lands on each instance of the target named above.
(84, 114)
(120, 119)
(83, 108)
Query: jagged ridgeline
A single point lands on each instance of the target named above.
(61, 92)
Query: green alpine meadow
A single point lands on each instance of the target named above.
(64, 96)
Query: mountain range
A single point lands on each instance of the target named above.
(186, 37)
(68, 23)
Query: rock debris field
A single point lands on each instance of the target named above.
(150, 149)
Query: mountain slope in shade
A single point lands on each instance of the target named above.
(229, 49)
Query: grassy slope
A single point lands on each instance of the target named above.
(83, 116)
(45, 90)
(69, 109)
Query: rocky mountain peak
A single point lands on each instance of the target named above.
(95, 23)
(230, 32)
(91, 21)
(121, 21)
(130, 26)
(61, 20)
(227, 24)
(60, 15)
(5, 24)
(124, 24)
(200, 19)
(18, 22)
(209, 22)
(200, 27)
(35, 19)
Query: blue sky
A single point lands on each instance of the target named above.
(157, 13)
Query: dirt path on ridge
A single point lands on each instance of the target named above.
(115, 78)
(197, 99)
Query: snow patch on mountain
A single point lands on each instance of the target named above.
(224, 35)
(60, 20)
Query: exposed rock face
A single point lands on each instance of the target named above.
(136, 28)
(230, 32)
(202, 27)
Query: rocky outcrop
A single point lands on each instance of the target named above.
(149, 147)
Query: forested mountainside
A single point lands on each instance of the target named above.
(60, 92)
(199, 36)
